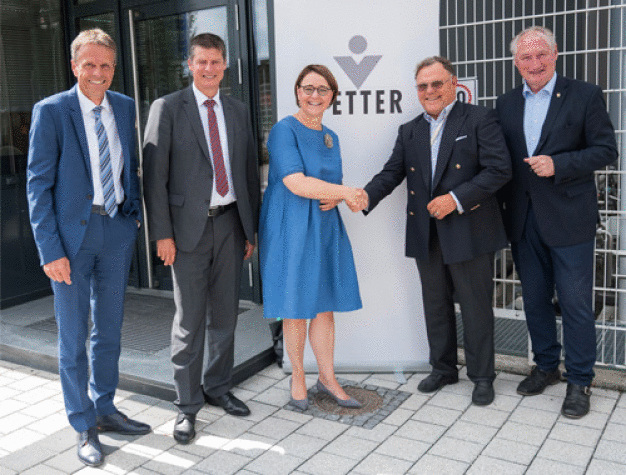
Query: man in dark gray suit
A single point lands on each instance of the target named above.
(202, 194)
(454, 159)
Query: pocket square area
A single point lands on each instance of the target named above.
(460, 138)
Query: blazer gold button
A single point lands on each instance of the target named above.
(411, 213)
(412, 169)
(458, 166)
(412, 192)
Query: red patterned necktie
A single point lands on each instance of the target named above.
(221, 180)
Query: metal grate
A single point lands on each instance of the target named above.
(147, 323)
(591, 35)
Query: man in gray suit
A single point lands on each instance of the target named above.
(202, 194)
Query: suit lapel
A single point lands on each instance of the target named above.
(123, 129)
(449, 134)
(421, 142)
(558, 97)
(229, 118)
(517, 114)
(79, 125)
(191, 108)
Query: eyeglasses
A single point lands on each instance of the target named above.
(321, 90)
(436, 85)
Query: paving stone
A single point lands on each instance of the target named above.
(456, 449)
(485, 416)
(505, 403)
(415, 401)
(275, 429)
(543, 402)
(524, 433)
(251, 445)
(572, 454)
(542, 466)
(50, 424)
(32, 397)
(535, 418)
(436, 415)
(322, 429)
(575, 434)
(222, 463)
(172, 462)
(378, 463)
(27, 383)
(19, 439)
(273, 463)
(352, 447)
(463, 387)
(273, 371)
(292, 416)
(25, 458)
(471, 432)
(42, 470)
(614, 432)
(485, 465)
(446, 399)
(66, 461)
(228, 426)
(299, 445)
(60, 440)
(423, 431)
(619, 416)
(257, 383)
(324, 463)
(259, 411)
(604, 467)
(376, 434)
(10, 406)
(273, 396)
(14, 421)
(611, 451)
(402, 448)
(436, 465)
(43, 408)
(508, 450)
(594, 420)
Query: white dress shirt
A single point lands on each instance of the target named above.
(115, 146)
(216, 198)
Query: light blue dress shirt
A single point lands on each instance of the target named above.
(436, 132)
(535, 111)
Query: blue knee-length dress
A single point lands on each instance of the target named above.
(305, 254)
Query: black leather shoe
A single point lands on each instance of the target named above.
(184, 430)
(229, 403)
(436, 381)
(89, 448)
(483, 393)
(576, 403)
(118, 422)
(538, 381)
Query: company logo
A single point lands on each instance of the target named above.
(358, 72)
(379, 101)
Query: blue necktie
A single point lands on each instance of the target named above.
(106, 171)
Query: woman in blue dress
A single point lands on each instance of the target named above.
(306, 259)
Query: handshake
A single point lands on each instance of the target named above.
(356, 199)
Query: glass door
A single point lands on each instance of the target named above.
(158, 37)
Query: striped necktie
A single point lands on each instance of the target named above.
(221, 180)
(106, 171)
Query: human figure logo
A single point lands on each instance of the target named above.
(358, 72)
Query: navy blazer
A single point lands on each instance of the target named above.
(473, 163)
(580, 138)
(59, 182)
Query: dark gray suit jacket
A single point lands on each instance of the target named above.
(178, 173)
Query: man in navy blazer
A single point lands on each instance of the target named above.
(84, 202)
(558, 132)
(454, 159)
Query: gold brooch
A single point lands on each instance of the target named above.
(328, 140)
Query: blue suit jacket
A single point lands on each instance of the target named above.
(580, 138)
(473, 163)
(59, 183)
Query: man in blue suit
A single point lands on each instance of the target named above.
(558, 132)
(84, 202)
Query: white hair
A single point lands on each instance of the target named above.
(540, 31)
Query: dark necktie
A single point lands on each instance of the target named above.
(106, 171)
(221, 180)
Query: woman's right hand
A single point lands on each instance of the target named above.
(356, 199)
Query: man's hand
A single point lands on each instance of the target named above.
(249, 250)
(542, 165)
(441, 206)
(358, 200)
(166, 250)
(327, 205)
(59, 270)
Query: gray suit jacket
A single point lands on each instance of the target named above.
(178, 174)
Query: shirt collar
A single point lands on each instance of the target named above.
(201, 97)
(87, 105)
(547, 89)
(442, 116)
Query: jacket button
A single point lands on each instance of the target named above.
(412, 192)
(83, 222)
(411, 213)
(458, 166)
(412, 169)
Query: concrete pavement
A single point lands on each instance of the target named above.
(440, 433)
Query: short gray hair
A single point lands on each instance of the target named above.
(445, 62)
(541, 31)
(92, 37)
